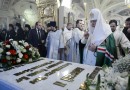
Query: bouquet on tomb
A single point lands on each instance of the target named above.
(16, 52)
(116, 77)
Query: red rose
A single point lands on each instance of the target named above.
(25, 56)
(4, 61)
(13, 52)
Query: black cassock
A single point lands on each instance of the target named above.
(81, 49)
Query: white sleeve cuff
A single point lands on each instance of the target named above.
(84, 41)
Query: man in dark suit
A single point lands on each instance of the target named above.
(37, 38)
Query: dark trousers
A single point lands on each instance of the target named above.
(42, 50)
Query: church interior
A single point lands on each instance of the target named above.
(30, 11)
(64, 44)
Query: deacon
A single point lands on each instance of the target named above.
(77, 35)
(66, 40)
(122, 43)
(53, 42)
(100, 46)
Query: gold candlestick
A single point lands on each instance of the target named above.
(85, 7)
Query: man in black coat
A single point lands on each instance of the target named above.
(126, 28)
(37, 38)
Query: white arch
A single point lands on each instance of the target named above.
(113, 6)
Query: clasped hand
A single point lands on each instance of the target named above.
(92, 47)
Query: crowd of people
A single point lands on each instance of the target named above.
(101, 44)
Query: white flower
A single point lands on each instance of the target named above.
(24, 50)
(26, 44)
(30, 49)
(118, 87)
(106, 70)
(33, 53)
(1, 50)
(20, 41)
(8, 53)
(8, 57)
(38, 54)
(18, 60)
(121, 81)
(18, 51)
(1, 43)
(30, 60)
(20, 55)
(15, 43)
(10, 39)
(23, 41)
(124, 74)
(8, 46)
(21, 48)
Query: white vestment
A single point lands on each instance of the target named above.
(97, 35)
(67, 35)
(74, 55)
(121, 40)
(53, 44)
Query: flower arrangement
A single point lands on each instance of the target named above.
(15, 52)
(122, 65)
(111, 78)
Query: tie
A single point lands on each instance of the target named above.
(39, 34)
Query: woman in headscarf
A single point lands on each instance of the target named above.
(100, 46)
(19, 32)
(26, 31)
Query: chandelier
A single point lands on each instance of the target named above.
(127, 2)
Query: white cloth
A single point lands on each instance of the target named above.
(74, 55)
(53, 44)
(97, 35)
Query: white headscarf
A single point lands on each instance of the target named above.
(101, 31)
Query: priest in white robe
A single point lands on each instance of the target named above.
(53, 42)
(67, 36)
(100, 46)
(122, 43)
(77, 35)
